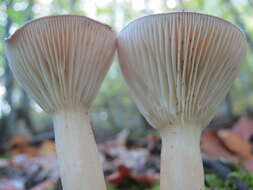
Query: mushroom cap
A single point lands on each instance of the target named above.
(179, 66)
(61, 60)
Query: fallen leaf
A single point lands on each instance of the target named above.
(47, 148)
(25, 149)
(244, 128)
(236, 144)
(119, 176)
(17, 141)
(213, 148)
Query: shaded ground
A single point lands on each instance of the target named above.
(30, 163)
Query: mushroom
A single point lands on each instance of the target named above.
(179, 66)
(61, 61)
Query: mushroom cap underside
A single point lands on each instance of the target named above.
(61, 60)
(179, 66)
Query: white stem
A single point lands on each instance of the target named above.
(80, 167)
(181, 163)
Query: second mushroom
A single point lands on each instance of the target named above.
(179, 67)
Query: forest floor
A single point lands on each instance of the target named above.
(31, 164)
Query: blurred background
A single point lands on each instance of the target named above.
(129, 147)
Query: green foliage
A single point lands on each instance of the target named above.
(217, 183)
(247, 178)
(214, 181)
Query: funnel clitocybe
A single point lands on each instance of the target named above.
(179, 67)
(61, 62)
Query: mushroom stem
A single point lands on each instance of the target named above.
(80, 167)
(181, 162)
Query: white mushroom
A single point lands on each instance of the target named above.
(179, 67)
(61, 62)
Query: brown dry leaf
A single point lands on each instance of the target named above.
(47, 148)
(123, 173)
(213, 148)
(31, 151)
(244, 128)
(25, 149)
(17, 141)
(236, 144)
(20, 145)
